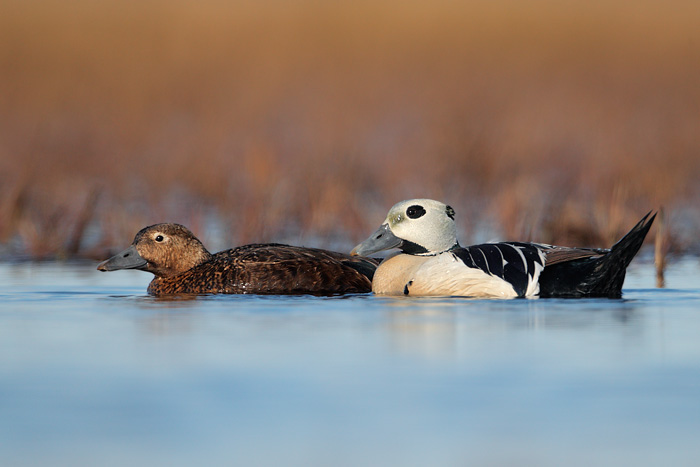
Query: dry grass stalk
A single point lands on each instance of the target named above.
(660, 248)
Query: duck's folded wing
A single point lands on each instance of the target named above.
(276, 268)
(559, 254)
(517, 263)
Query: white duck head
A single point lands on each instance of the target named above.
(416, 226)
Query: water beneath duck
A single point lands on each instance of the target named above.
(94, 372)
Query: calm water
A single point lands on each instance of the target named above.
(94, 372)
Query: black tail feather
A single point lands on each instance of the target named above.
(597, 276)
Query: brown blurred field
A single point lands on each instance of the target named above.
(305, 120)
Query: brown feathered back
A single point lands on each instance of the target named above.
(272, 269)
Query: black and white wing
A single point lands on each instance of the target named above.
(519, 264)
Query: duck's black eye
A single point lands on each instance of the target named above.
(159, 238)
(415, 211)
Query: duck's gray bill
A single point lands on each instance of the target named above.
(127, 259)
(382, 239)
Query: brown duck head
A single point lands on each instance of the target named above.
(163, 249)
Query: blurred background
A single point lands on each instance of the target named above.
(305, 120)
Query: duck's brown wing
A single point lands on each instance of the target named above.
(561, 254)
(285, 269)
(274, 269)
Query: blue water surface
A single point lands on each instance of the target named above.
(95, 372)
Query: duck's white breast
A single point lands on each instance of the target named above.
(395, 272)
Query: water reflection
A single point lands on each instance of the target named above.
(432, 328)
(85, 362)
(430, 331)
(439, 328)
(167, 324)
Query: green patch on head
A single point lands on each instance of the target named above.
(395, 217)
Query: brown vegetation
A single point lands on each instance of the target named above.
(304, 121)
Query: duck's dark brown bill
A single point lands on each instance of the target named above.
(127, 259)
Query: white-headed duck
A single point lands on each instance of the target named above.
(431, 261)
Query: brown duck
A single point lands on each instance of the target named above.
(182, 265)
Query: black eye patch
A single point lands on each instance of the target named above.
(415, 211)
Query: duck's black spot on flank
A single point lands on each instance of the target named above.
(415, 211)
(405, 287)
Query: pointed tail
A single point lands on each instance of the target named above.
(597, 276)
